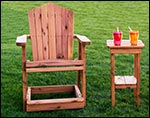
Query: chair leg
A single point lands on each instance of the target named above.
(79, 72)
(24, 86)
(24, 76)
(79, 79)
(83, 76)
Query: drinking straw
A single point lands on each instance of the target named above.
(117, 29)
(129, 28)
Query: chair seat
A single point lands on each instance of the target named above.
(57, 62)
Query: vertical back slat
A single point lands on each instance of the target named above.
(51, 31)
(33, 34)
(70, 34)
(58, 31)
(39, 33)
(44, 31)
(64, 33)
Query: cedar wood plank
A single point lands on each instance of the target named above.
(33, 34)
(70, 34)
(51, 31)
(44, 31)
(64, 33)
(39, 33)
(58, 31)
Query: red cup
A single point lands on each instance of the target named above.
(117, 36)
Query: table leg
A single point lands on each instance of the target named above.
(135, 72)
(137, 75)
(138, 80)
(112, 80)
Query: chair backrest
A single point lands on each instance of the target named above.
(51, 30)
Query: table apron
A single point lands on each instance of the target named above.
(125, 51)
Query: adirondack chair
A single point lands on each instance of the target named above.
(52, 35)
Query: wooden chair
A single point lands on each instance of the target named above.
(51, 34)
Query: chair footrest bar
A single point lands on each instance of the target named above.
(54, 104)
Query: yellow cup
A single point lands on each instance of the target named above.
(134, 35)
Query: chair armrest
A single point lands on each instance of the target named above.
(82, 39)
(21, 40)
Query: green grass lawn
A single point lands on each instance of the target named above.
(96, 20)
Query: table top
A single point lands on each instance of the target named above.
(124, 44)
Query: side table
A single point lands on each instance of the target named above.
(122, 82)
